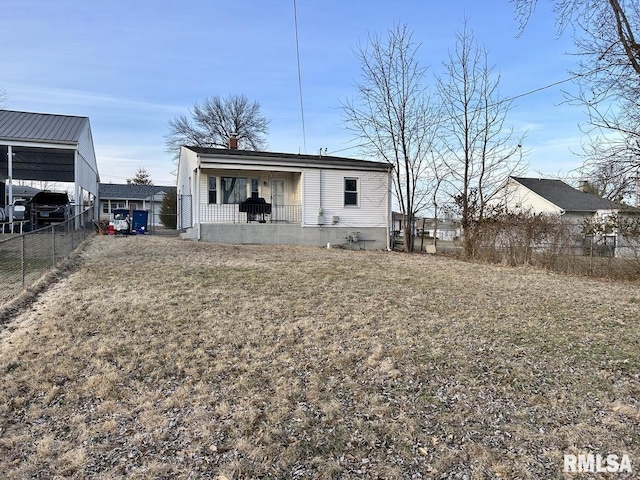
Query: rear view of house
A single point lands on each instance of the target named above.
(242, 197)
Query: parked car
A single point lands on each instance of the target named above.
(48, 207)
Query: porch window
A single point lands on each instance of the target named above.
(234, 189)
(114, 206)
(351, 191)
(254, 188)
(213, 198)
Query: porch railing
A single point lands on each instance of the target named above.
(230, 214)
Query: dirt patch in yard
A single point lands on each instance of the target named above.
(161, 358)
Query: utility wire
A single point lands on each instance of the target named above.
(504, 100)
(295, 20)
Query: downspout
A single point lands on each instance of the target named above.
(389, 213)
(320, 193)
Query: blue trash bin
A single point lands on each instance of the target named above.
(140, 222)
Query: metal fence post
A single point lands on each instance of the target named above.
(22, 255)
(53, 245)
(73, 235)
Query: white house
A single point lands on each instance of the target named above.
(115, 196)
(542, 195)
(554, 197)
(239, 196)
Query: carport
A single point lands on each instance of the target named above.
(48, 148)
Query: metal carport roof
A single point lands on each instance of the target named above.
(48, 147)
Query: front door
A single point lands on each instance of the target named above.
(277, 200)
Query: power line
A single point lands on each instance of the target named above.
(295, 21)
(504, 100)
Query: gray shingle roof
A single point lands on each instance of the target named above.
(130, 192)
(40, 127)
(566, 197)
(295, 158)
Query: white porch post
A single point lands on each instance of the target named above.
(10, 185)
(77, 191)
(197, 199)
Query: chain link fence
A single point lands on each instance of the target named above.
(552, 245)
(26, 257)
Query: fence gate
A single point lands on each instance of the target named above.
(184, 210)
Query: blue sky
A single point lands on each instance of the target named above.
(131, 66)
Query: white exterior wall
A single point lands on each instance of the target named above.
(185, 186)
(324, 188)
(517, 197)
(88, 169)
(186, 166)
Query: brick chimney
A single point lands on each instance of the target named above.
(583, 186)
(233, 141)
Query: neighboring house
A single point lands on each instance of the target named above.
(443, 229)
(237, 196)
(541, 195)
(131, 197)
(23, 191)
(554, 197)
(396, 223)
(446, 229)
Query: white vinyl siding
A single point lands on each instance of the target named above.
(517, 197)
(373, 198)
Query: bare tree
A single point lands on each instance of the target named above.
(603, 28)
(142, 177)
(393, 117)
(608, 74)
(480, 151)
(611, 166)
(213, 122)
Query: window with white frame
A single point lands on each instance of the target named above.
(114, 206)
(350, 191)
(213, 197)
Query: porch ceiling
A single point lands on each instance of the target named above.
(37, 163)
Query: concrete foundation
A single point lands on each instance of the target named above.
(363, 238)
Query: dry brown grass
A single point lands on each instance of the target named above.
(160, 358)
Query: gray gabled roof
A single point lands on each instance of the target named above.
(117, 191)
(292, 158)
(42, 127)
(566, 197)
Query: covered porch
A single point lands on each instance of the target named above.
(249, 196)
(232, 213)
